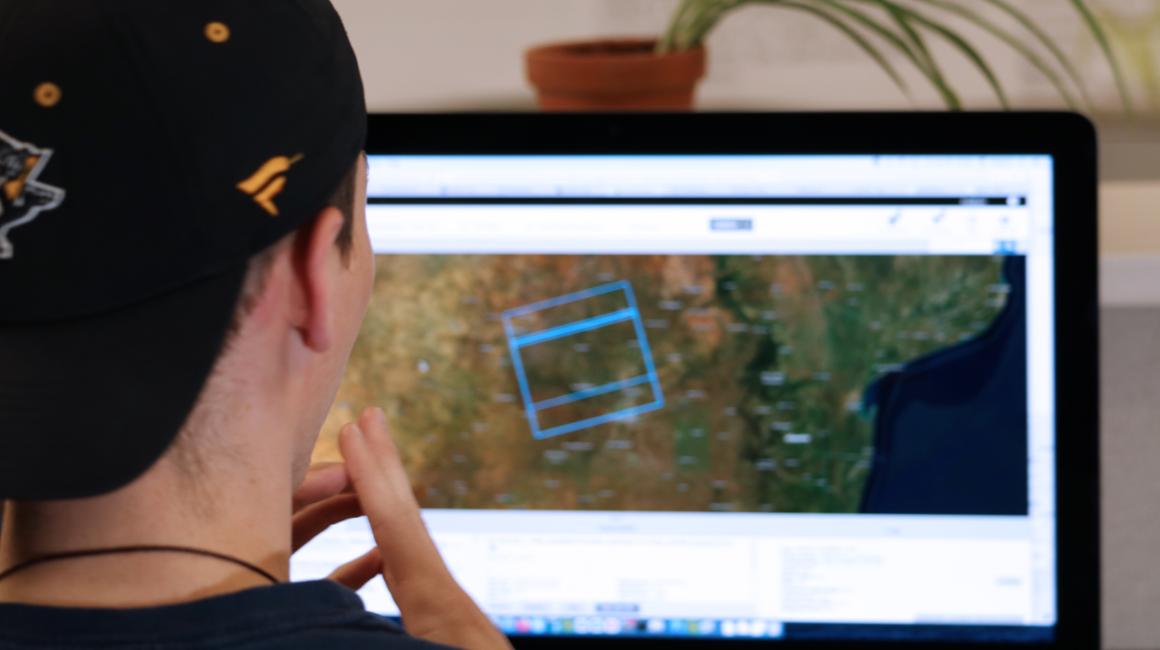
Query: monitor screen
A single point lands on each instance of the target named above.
(713, 396)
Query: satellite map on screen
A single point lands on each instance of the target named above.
(652, 382)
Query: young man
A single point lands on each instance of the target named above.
(180, 286)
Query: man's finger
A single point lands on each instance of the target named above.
(432, 603)
(355, 574)
(323, 481)
(373, 424)
(311, 521)
(409, 554)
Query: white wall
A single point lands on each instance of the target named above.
(463, 54)
(455, 54)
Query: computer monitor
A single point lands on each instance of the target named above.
(789, 379)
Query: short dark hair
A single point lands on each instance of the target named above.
(343, 199)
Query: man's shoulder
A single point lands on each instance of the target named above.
(297, 616)
(309, 616)
(347, 638)
(328, 638)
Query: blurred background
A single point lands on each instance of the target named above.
(458, 55)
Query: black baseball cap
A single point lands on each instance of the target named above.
(148, 150)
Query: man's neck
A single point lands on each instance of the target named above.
(238, 505)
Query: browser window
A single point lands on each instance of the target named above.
(720, 396)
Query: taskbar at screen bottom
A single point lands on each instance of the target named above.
(755, 629)
(656, 627)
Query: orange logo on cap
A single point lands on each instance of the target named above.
(269, 181)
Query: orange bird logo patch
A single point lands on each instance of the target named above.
(269, 181)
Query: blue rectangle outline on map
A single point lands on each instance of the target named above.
(567, 298)
(517, 342)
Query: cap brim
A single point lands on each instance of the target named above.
(87, 406)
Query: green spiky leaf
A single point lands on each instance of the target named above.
(1011, 41)
(904, 29)
(900, 43)
(1105, 44)
(1048, 43)
(858, 39)
(934, 72)
(960, 43)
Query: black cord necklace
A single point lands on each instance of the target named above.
(68, 555)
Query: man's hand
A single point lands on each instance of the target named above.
(325, 498)
(434, 607)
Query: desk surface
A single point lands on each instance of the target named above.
(1131, 482)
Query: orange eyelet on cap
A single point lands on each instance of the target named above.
(217, 32)
(47, 94)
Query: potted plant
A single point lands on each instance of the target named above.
(662, 73)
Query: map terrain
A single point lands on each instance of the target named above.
(763, 363)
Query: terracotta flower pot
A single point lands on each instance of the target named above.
(614, 74)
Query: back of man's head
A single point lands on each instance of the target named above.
(153, 157)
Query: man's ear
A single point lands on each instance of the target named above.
(315, 260)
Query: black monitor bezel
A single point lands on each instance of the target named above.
(1071, 141)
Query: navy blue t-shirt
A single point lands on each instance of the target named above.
(293, 616)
